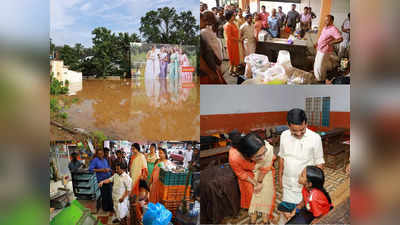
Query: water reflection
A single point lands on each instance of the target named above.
(138, 109)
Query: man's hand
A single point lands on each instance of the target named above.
(106, 170)
(101, 183)
(121, 200)
(280, 183)
(257, 188)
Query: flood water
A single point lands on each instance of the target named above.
(137, 109)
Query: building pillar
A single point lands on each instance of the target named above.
(325, 10)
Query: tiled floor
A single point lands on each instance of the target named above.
(104, 217)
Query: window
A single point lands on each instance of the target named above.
(318, 111)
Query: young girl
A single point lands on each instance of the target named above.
(316, 200)
(263, 200)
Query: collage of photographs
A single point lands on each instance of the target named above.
(190, 112)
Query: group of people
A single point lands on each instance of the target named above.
(167, 62)
(119, 178)
(239, 32)
(301, 176)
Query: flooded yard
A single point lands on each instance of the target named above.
(136, 109)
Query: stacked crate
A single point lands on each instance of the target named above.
(85, 186)
(172, 189)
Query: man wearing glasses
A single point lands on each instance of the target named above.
(299, 147)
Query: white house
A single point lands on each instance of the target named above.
(62, 73)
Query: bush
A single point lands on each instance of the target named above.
(64, 115)
(57, 87)
(54, 106)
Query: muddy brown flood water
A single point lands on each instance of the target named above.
(137, 109)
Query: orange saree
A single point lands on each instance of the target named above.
(232, 35)
(155, 185)
(243, 169)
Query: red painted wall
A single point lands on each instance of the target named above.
(244, 122)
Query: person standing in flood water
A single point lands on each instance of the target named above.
(163, 63)
(174, 73)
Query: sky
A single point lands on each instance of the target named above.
(72, 21)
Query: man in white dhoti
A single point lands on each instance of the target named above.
(187, 157)
(299, 147)
(325, 60)
(121, 185)
(345, 45)
(247, 34)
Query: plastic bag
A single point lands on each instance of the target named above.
(263, 35)
(298, 76)
(255, 62)
(156, 214)
(273, 75)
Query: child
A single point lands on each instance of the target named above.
(316, 201)
(120, 192)
(263, 200)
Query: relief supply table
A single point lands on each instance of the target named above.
(298, 52)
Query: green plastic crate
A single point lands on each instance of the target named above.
(170, 178)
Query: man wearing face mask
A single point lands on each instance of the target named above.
(299, 147)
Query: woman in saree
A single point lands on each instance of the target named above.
(242, 160)
(174, 65)
(155, 183)
(151, 159)
(137, 168)
(138, 171)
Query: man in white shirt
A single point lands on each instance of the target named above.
(120, 192)
(299, 147)
(187, 157)
(248, 35)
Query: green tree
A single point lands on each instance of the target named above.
(69, 56)
(167, 27)
(123, 46)
(52, 48)
(104, 53)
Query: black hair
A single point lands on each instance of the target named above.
(165, 152)
(263, 6)
(106, 150)
(250, 144)
(153, 145)
(74, 156)
(214, 8)
(332, 17)
(316, 177)
(293, 4)
(123, 166)
(137, 146)
(228, 14)
(235, 137)
(247, 16)
(279, 7)
(143, 184)
(306, 7)
(296, 116)
(119, 152)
